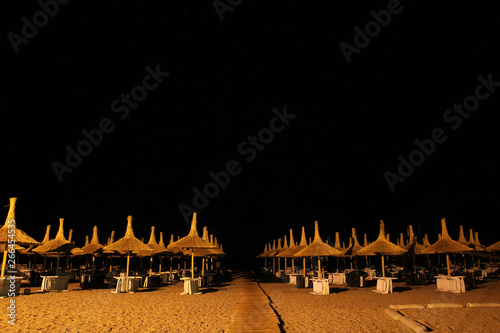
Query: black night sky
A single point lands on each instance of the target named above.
(347, 122)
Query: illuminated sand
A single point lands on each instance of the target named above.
(362, 310)
(164, 310)
(99, 310)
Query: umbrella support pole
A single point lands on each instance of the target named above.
(203, 267)
(4, 262)
(93, 266)
(383, 266)
(304, 266)
(57, 264)
(192, 264)
(448, 263)
(356, 264)
(128, 262)
(150, 265)
(320, 276)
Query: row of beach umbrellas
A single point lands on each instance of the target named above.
(192, 244)
(381, 246)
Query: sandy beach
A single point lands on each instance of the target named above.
(165, 310)
(362, 310)
(100, 310)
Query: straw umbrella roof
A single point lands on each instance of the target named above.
(154, 247)
(59, 244)
(445, 244)
(413, 246)
(129, 243)
(348, 245)
(302, 245)
(164, 249)
(46, 238)
(219, 246)
(337, 242)
(425, 242)
(478, 243)
(354, 248)
(276, 250)
(263, 254)
(381, 245)
(273, 250)
(365, 240)
(176, 250)
(20, 237)
(461, 237)
(152, 244)
(401, 241)
(193, 240)
(317, 247)
(494, 247)
(473, 244)
(291, 247)
(284, 248)
(94, 245)
(205, 252)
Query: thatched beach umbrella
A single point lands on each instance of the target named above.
(426, 242)
(10, 235)
(154, 248)
(302, 245)
(461, 237)
(271, 254)
(93, 247)
(413, 247)
(382, 247)
(165, 252)
(178, 252)
(128, 244)
(473, 244)
(58, 246)
(446, 245)
(353, 249)
(288, 252)
(283, 249)
(193, 241)
(494, 247)
(318, 249)
(275, 253)
(204, 252)
(339, 247)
